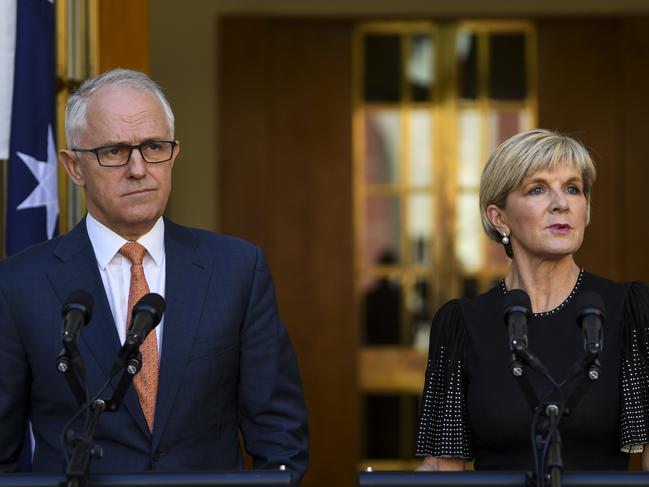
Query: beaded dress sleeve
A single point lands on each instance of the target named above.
(634, 407)
(443, 424)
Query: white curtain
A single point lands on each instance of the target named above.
(7, 50)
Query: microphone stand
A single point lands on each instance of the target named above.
(554, 462)
(548, 434)
(133, 366)
(545, 435)
(73, 371)
(85, 448)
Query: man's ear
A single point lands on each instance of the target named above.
(175, 153)
(71, 165)
(498, 219)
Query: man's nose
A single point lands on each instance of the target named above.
(136, 165)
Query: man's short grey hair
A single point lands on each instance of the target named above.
(75, 110)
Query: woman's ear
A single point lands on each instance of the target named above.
(498, 219)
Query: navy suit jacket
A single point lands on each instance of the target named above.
(226, 365)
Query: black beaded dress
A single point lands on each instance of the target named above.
(473, 407)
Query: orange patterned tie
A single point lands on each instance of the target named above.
(145, 381)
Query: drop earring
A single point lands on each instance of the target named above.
(508, 246)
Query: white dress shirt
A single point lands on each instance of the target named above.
(115, 269)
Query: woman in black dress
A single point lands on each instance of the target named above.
(535, 200)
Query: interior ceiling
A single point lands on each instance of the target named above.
(436, 7)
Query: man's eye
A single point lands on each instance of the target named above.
(153, 146)
(113, 151)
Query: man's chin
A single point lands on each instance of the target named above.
(134, 226)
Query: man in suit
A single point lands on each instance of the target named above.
(219, 364)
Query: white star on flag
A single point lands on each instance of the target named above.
(46, 193)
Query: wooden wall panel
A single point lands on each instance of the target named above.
(311, 174)
(592, 84)
(286, 184)
(578, 95)
(634, 131)
(124, 34)
(244, 152)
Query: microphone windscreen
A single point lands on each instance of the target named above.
(80, 300)
(590, 300)
(518, 298)
(153, 303)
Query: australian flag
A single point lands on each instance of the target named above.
(32, 191)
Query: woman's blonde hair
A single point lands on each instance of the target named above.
(521, 156)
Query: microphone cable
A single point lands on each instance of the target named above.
(539, 463)
(85, 408)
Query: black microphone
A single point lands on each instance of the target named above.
(76, 313)
(146, 315)
(517, 314)
(590, 317)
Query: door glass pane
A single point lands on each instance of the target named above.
(420, 228)
(382, 426)
(469, 157)
(382, 223)
(383, 311)
(382, 146)
(468, 242)
(420, 312)
(507, 79)
(421, 67)
(504, 124)
(421, 148)
(467, 57)
(382, 63)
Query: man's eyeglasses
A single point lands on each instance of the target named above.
(152, 151)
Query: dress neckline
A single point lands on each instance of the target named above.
(554, 311)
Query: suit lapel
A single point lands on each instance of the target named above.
(78, 270)
(187, 275)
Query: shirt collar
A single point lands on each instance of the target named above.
(107, 243)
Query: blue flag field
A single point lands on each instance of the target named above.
(32, 189)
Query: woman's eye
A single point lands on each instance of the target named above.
(536, 190)
(573, 190)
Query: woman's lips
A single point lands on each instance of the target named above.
(560, 227)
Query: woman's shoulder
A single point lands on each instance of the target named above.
(629, 293)
(626, 303)
(492, 297)
(637, 299)
(449, 318)
(455, 315)
(461, 308)
(592, 279)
